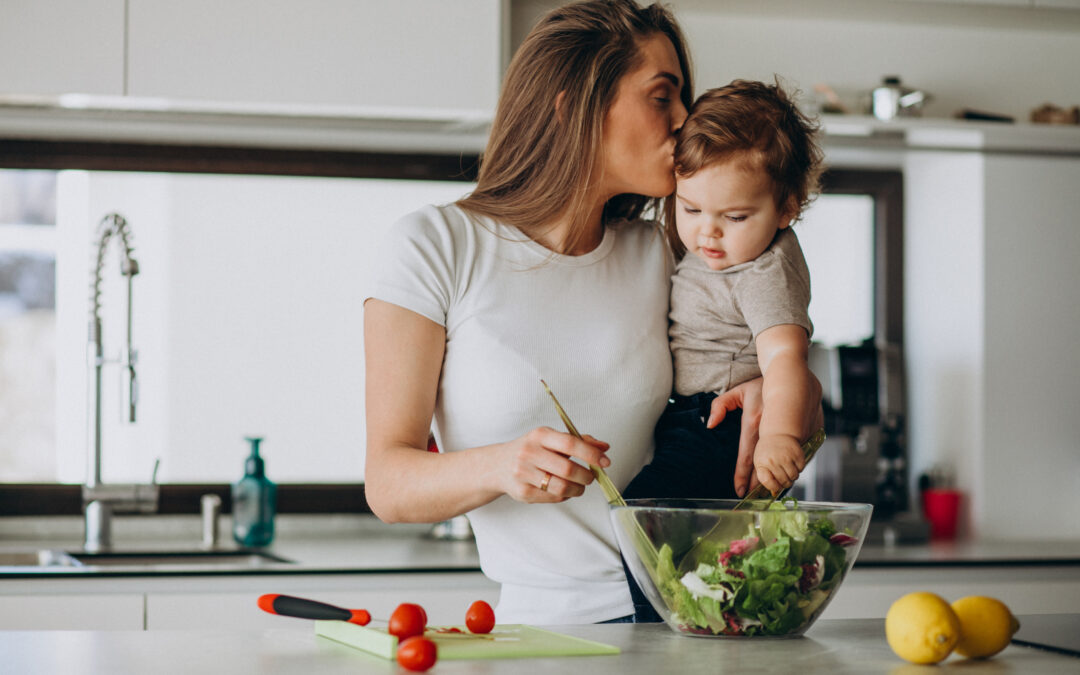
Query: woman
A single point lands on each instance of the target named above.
(544, 271)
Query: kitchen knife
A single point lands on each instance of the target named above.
(302, 608)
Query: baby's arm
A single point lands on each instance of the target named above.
(782, 354)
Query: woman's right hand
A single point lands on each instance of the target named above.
(539, 467)
(405, 483)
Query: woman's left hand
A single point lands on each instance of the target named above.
(748, 397)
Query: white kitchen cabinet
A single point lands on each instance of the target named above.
(421, 54)
(226, 601)
(868, 592)
(62, 46)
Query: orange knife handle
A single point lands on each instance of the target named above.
(302, 608)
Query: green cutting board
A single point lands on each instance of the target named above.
(511, 641)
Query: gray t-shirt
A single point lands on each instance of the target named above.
(717, 314)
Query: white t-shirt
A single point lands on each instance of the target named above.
(594, 327)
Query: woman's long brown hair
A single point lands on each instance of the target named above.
(541, 162)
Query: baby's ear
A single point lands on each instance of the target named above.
(788, 215)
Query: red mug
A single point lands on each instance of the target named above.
(942, 510)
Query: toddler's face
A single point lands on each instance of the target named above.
(726, 213)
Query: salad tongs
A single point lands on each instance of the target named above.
(647, 552)
(610, 491)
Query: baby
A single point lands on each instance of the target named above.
(747, 164)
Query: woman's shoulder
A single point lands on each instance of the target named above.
(433, 218)
(446, 227)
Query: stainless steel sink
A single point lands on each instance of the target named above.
(41, 558)
(116, 560)
(235, 558)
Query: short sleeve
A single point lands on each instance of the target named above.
(776, 288)
(416, 265)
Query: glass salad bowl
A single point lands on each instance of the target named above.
(763, 570)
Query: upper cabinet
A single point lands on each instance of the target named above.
(62, 46)
(420, 54)
(414, 59)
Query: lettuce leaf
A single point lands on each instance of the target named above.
(755, 585)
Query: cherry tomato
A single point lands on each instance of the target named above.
(407, 620)
(480, 618)
(417, 653)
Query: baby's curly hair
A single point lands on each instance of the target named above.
(756, 118)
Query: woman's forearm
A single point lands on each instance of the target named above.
(408, 484)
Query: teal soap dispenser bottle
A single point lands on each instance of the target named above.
(254, 502)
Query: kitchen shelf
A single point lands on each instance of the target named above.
(129, 119)
(950, 134)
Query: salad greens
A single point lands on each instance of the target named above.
(770, 582)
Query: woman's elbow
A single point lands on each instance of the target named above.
(380, 506)
(377, 495)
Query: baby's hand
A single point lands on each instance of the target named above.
(778, 459)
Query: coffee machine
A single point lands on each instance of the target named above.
(864, 457)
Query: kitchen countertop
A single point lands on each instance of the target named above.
(310, 544)
(363, 544)
(985, 552)
(848, 646)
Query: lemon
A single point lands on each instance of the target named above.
(986, 626)
(922, 628)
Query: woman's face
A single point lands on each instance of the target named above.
(638, 143)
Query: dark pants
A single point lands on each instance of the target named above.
(690, 462)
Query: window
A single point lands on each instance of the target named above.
(247, 318)
(837, 238)
(211, 221)
(28, 244)
(247, 308)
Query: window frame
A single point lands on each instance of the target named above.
(27, 499)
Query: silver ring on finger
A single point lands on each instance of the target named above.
(544, 483)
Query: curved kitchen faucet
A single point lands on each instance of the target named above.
(100, 501)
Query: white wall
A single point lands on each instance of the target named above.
(1031, 459)
(991, 328)
(1000, 59)
(944, 306)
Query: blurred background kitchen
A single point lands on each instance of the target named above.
(259, 150)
